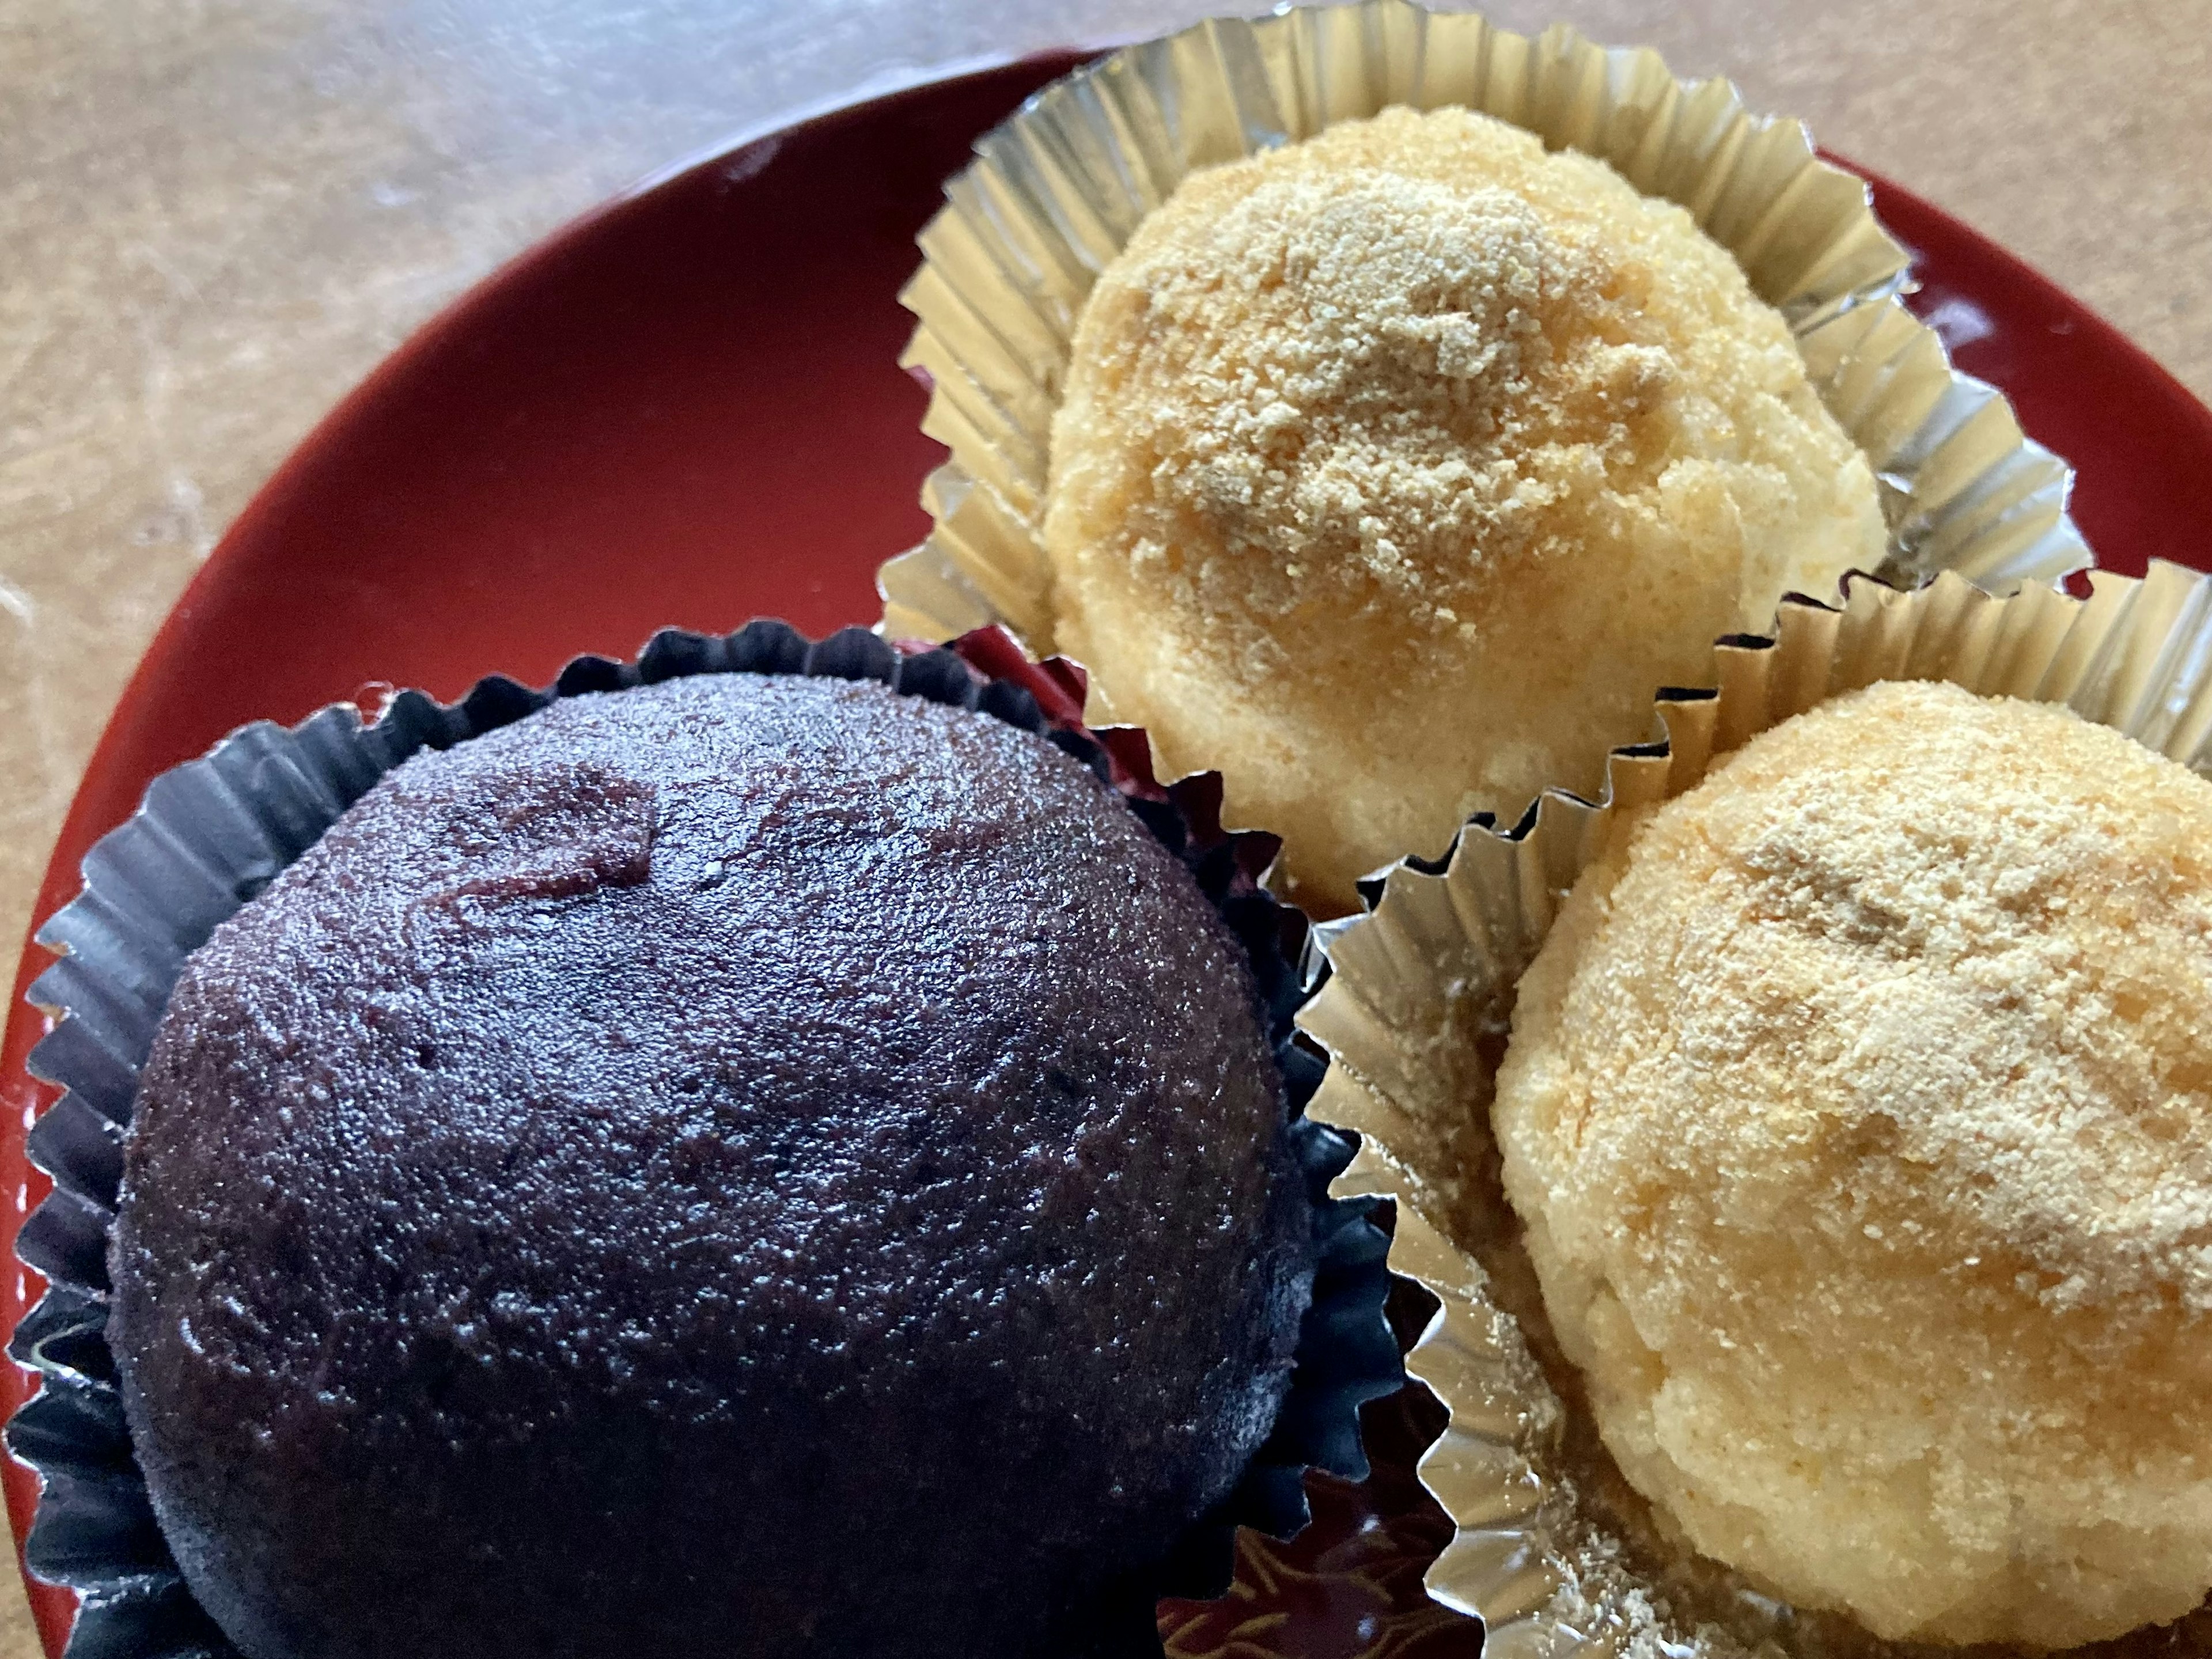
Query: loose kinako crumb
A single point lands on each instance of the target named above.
(1857, 1111)
(1397, 469)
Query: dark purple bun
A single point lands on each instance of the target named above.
(744, 1165)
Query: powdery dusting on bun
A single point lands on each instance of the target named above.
(1397, 469)
(1856, 1111)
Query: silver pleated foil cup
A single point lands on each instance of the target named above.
(214, 832)
(1057, 190)
(1418, 999)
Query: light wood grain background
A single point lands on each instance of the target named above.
(216, 215)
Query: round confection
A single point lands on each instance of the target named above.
(748, 1165)
(1395, 470)
(1857, 1113)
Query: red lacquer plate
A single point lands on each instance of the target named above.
(686, 408)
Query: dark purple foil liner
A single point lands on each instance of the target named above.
(213, 832)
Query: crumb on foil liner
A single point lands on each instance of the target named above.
(1413, 1015)
(1057, 190)
(213, 832)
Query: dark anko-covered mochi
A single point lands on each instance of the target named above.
(749, 1165)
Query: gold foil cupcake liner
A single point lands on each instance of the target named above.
(1058, 189)
(1420, 997)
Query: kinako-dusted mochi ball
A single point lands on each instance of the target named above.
(1860, 1114)
(1397, 469)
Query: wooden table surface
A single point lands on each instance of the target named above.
(218, 215)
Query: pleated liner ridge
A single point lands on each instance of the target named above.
(1057, 190)
(1419, 992)
(213, 832)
